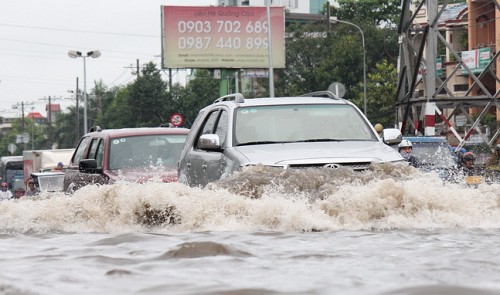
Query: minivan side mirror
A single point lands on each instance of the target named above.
(89, 166)
(209, 142)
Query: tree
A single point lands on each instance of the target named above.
(376, 13)
(201, 91)
(37, 137)
(147, 99)
(118, 114)
(381, 93)
(66, 129)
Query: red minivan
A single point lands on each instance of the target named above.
(130, 154)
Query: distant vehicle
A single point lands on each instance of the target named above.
(129, 154)
(48, 181)
(314, 130)
(435, 155)
(44, 160)
(11, 171)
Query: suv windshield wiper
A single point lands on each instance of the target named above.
(319, 140)
(291, 141)
(261, 142)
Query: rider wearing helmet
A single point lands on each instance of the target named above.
(5, 193)
(405, 148)
(467, 164)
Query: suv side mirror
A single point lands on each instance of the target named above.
(88, 166)
(392, 136)
(210, 142)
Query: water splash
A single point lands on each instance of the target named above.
(264, 199)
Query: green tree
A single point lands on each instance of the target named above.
(118, 114)
(381, 93)
(67, 129)
(101, 98)
(373, 12)
(37, 138)
(147, 99)
(201, 91)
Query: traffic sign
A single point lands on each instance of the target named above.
(337, 89)
(176, 120)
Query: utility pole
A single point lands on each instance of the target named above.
(50, 127)
(169, 79)
(50, 122)
(23, 137)
(77, 94)
(137, 69)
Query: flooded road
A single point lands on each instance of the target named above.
(264, 231)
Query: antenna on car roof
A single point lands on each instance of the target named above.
(238, 97)
(323, 93)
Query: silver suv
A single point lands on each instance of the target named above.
(314, 130)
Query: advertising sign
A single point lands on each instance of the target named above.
(476, 60)
(221, 37)
(439, 67)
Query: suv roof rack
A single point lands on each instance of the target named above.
(323, 93)
(238, 97)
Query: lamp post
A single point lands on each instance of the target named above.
(93, 54)
(334, 20)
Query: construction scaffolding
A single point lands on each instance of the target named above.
(448, 71)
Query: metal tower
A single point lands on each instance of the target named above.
(449, 94)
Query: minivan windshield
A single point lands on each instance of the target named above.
(299, 123)
(144, 151)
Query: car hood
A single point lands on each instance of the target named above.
(319, 153)
(143, 175)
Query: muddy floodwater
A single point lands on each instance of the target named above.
(263, 231)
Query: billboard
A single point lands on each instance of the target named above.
(476, 60)
(221, 37)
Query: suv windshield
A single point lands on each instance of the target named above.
(299, 123)
(145, 151)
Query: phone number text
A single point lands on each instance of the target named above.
(222, 43)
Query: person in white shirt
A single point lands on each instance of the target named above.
(5, 193)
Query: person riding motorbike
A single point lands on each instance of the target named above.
(405, 148)
(467, 164)
(5, 193)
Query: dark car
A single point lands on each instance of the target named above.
(129, 154)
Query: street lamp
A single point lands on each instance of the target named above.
(334, 20)
(93, 54)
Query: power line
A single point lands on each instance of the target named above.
(66, 46)
(80, 31)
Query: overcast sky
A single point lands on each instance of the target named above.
(36, 35)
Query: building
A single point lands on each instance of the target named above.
(292, 6)
(36, 117)
(52, 110)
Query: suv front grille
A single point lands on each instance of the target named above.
(357, 166)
